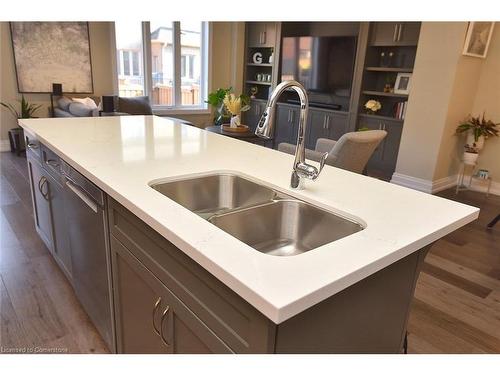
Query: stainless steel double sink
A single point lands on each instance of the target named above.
(271, 222)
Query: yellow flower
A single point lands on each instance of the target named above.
(233, 104)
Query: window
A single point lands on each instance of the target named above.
(129, 54)
(175, 67)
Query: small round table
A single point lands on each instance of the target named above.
(248, 136)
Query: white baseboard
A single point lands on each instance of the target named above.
(4, 145)
(435, 186)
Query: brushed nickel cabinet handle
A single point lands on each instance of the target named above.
(161, 326)
(394, 36)
(41, 183)
(33, 146)
(399, 31)
(263, 37)
(53, 163)
(157, 304)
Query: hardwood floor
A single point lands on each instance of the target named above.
(38, 308)
(456, 307)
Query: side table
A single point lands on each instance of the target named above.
(461, 185)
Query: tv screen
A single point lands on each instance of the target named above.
(323, 65)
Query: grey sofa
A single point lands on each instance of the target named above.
(351, 152)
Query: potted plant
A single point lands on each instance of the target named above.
(216, 100)
(477, 129)
(471, 154)
(235, 105)
(27, 111)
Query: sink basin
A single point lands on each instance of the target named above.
(265, 219)
(216, 193)
(285, 227)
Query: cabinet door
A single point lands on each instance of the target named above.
(409, 33)
(286, 125)
(252, 116)
(40, 190)
(149, 317)
(62, 249)
(316, 128)
(336, 124)
(261, 34)
(391, 145)
(384, 33)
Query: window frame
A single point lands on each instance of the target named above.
(145, 66)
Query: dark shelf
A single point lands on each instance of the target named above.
(387, 118)
(381, 93)
(259, 83)
(263, 64)
(387, 69)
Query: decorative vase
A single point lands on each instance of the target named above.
(235, 121)
(471, 140)
(470, 158)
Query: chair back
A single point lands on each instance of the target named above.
(353, 150)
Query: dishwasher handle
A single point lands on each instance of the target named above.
(82, 195)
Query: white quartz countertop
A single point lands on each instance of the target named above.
(122, 155)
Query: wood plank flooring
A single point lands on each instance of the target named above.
(38, 308)
(456, 307)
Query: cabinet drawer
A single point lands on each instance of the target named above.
(237, 323)
(51, 163)
(32, 145)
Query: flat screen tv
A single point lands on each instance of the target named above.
(324, 65)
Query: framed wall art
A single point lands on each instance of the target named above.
(48, 52)
(478, 39)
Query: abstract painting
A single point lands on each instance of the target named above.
(478, 38)
(52, 52)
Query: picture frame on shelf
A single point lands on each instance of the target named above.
(403, 83)
(478, 39)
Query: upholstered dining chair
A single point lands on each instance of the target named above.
(351, 152)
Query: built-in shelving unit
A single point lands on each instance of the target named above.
(381, 93)
(260, 64)
(387, 69)
(259, 83)
(378, 117)
(390, 50)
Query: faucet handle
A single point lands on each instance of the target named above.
(321, 164)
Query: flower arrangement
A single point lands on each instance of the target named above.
(227, 104)
(235, 105)
(373, 106)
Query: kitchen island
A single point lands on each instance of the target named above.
(350, 295)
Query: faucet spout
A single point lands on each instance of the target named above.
(266, 127)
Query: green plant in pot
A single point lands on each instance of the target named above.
(478, 129)
(216, 100)
(27, 109)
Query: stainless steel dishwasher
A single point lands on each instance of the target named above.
(87, 223)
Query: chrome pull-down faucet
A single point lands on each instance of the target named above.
(265, 129)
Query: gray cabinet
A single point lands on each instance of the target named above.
(395, 33)
(325, 124)
(383, 160)
(150, 274)
(40, 194)
(150, 318)
(287, 120)
(261, 34)
(61, 245)
(252, 116)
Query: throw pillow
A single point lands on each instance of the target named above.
(138, 105)
(86, 101)
(63, 103)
